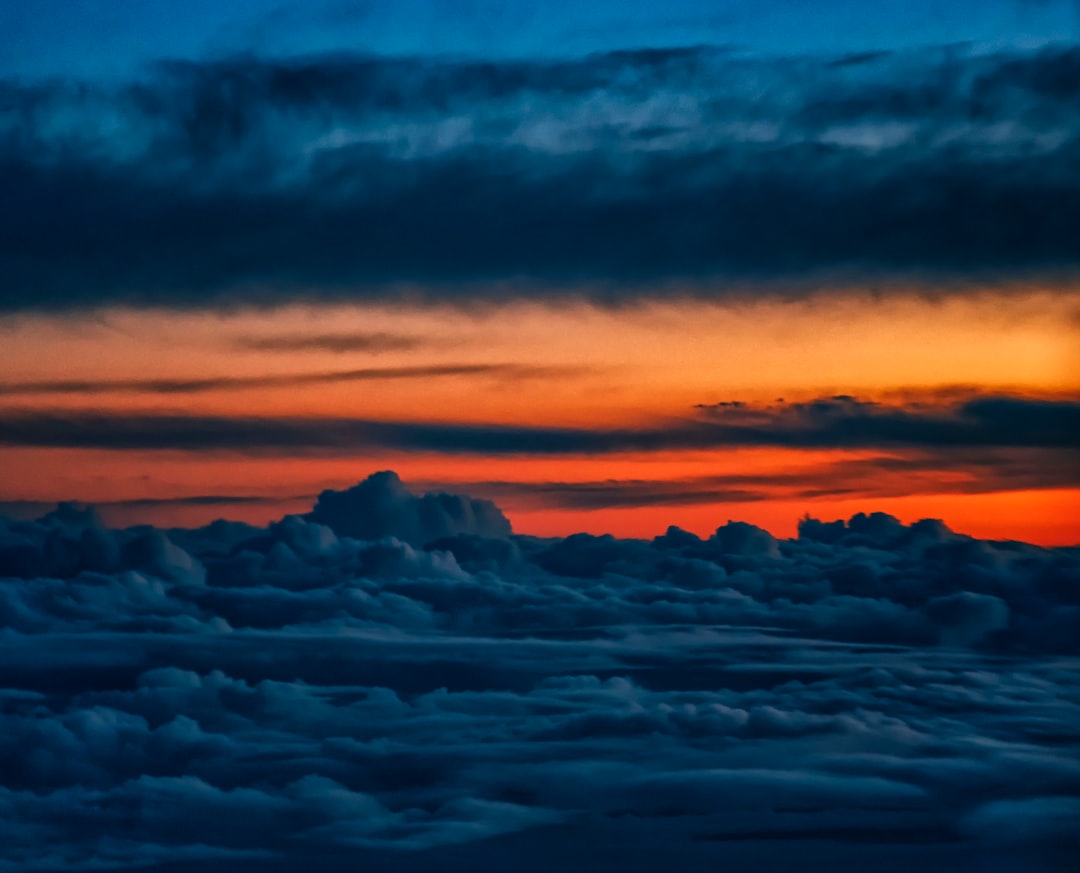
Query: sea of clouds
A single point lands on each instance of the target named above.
(398, 682)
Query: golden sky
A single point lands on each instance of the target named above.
(571, 365)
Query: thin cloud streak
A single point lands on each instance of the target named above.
(883, 477)
(336, 343)
(26, 509)
(239, 383)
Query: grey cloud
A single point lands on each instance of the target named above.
(381, 506)
(286, 380)
(980, 423)
(610, 176)
(338, 343)
(1034, 819)
(398, 682)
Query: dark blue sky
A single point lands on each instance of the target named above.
(92, 38)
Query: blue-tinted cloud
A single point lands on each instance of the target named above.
(979, 423)
(265, 698)
(675, 170)
(110, 38)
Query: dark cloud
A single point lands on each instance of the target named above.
(989, 422)
(981, 421)
(613, 175)
(284, 380)
(143, 508)
(248, 698)
(338, 343)
(382, 506)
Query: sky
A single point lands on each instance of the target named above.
(110, 38)
(614, 269)
(539, 435)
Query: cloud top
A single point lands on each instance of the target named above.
(381, 506)
(398, 681)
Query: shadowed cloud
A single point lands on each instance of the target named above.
(286, 380)
(614, 175)
(836, 422)
(338, 343)
(396, 681)
(879, 477)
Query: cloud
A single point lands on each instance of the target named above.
(337, 343)
(980, 423)
(322, 692)
(1035, 819)
(848, 421)
(890, 474)
(286, 380)
(382, 506)
(677, 171)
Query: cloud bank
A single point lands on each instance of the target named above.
(980, 422)
(612, 175)
(399, 682)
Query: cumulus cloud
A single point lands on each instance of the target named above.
(397, 681)
(611, 175)
(382, 506)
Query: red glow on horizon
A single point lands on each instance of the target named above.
(575, 366)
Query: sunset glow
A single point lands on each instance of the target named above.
(576, 366)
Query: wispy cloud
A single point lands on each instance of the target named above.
(284, 380)
(337, 343)
(884, 476)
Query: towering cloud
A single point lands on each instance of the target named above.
(382, 506)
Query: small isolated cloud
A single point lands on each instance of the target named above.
(396, 681)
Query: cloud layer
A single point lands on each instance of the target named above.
(398, 681)
(979, 422)
(352, 176)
